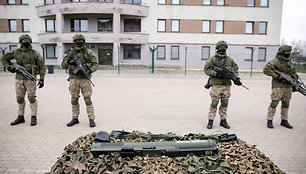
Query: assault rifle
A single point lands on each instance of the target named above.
(24, 72)
(168, 148)
(81, 67)
(226, 74)
(297, 85)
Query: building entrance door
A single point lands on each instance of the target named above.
(105, 56)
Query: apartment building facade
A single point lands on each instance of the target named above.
(123, 31)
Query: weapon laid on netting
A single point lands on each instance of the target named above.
(226, 74)
(168, 148)
(81, 67)
(24, 72)
(297, 85)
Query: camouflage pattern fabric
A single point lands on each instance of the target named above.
(83, 85)
(218, 92)
(234, 157)
(280, 94)
(22, 87)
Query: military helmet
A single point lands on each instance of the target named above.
(221, 43)
(78, 37)
(283, 48)
(25, 36)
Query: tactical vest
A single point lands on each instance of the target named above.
(26, 58)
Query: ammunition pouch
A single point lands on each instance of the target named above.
(32, 69)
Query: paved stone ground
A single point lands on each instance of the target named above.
(165, 102)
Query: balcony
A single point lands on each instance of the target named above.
(92, 8)
(95, 37)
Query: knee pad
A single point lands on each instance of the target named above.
(214, 103)
(224, 103)
(285, 104)
(87, 101)
(32, 99)
(274, 104)
(74, 100)
(20, 100)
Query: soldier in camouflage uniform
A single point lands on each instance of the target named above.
(32, 61)
(281, 90)
(78, 81)
(220, 85)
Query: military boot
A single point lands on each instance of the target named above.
(210, 124)
(20, 119)
(73, 122)
(270, 124)
(286, 124)
(33, 120)
(92, 123)
(224, 124)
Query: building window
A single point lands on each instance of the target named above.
(175, 2)
(161, 25)
(161, 1)
(175, 25)
(13, 25)
(175, 52)
(262, 27)
(206, 2)
(105, 24)
(51, 52)
(251, 3)
(25, 25)
(13, 47)
(24, 2)
(78, 0)
(205, 26)
(248, 53)
(11, 2)
(132, 25)
(79, 25)
(132, 1)
(205, 52)
(264, 3)
(220, 2)
(262, 54)
(161, 52)
(219, 26)
(49, 1)
(249, 27)
(105, 0)
(50, 25)
(131, 51)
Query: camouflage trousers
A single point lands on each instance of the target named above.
(280, 94)
(22, 88)
(83, 85)
(219, 92)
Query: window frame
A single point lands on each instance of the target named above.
(202, 53)
(80, 26)
(179, 2)
(10, 26)
(209, 26)
(222, 27)
(173, 20)
(23, 25)
(266, 27)
(260, 4)
(246, 27)
(10, 47)
(159, 3)
(132, 58)
(105, 1)
(107, 30)
(223, 3)
(206, 4)
(46, 24)
(24, 3)
(133, 2)
(252, 54)
(164, 52)
(54, 51)
(160, 20)
(8, 2)
(133, 24)
(178, 52)
(250, 5)
(265, 54)
(45, 2)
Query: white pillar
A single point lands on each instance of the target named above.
(59, 24)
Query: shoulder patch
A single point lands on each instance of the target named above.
(268, 64)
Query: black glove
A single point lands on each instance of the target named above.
(71, 61)
(12, 69)
(237, 82)
(219, 75)
(40, 83)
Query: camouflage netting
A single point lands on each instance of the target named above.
(233, 158)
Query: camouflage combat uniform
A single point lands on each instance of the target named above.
(281, 90)
(78, 82)
(32, 61)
